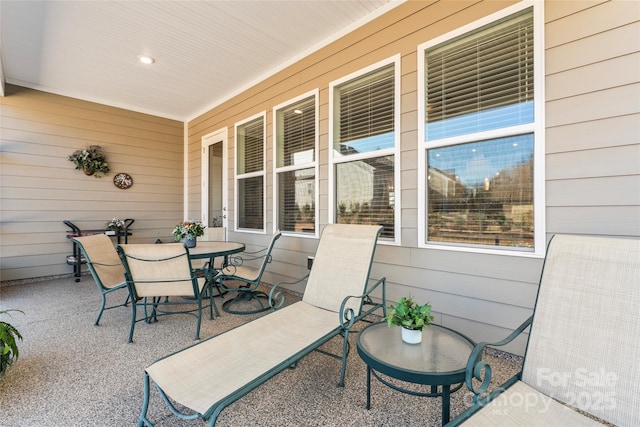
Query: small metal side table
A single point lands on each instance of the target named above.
(438, 361)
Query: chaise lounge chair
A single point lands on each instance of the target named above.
(336, 290)
(581, 362)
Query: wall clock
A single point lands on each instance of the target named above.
(122, 180)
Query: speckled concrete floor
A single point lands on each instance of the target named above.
(71, 373)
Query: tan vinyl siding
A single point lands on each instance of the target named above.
(41, 188)
(593, 118)
(592, 150)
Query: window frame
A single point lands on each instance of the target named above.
(536, 128)
(394, 151)
(263, 173)
(315, 164)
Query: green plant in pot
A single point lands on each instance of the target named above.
(187, 231)
(412, 316)
(90, 160)
(8, 346)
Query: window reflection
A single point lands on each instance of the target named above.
(297, 201)
(482, 193)
(365, 193)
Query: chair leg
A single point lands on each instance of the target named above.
(133, 320)
(145, 404)
(345, 352)
(199, 319)
(104, 301)
(212, 302)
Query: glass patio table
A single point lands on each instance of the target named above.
(438, 361)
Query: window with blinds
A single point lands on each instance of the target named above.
(365, 108)
(364, 125)
(480, 191)
(296, 135)
(250, 149)
(250, 146)
(481, 81)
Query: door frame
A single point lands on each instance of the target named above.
(220, 136)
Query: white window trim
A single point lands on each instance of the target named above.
(395, 151)
(262, 173)
(537, 128)
(316, 94)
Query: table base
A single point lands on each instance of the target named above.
(445, 393)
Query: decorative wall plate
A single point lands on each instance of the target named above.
(122, 180)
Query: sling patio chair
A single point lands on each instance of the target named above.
(105, 266)
(160, 276)
(581, 362)
(238, 270)
(337, 290)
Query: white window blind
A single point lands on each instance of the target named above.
(250, 142)
(251, 146)
(482, 80)
(366, 113)
(296, 126)
(297, 134)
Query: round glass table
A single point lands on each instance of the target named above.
(439, 360)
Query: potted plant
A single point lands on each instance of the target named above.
(411, 316)
(8, 346)
(114, 226)
(90, 160)
(187, 231)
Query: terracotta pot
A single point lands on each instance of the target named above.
(87, 172)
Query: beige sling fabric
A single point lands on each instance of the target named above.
(203, 375)
(200, 376)
(584, 347)
(160, 270)
(522, 405)
(104, 259)
(334, 277)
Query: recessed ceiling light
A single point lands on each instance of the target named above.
(146, 59)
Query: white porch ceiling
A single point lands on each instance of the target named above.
(205, 51)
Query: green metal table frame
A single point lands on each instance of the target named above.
(212, 250)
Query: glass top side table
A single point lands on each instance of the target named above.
(439, 360)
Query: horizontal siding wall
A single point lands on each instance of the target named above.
(593, 118)
(41, 188)
(592, 163)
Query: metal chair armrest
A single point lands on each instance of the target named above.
(481, 370)
(348, 317)
(276, 294)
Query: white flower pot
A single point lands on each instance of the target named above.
(411, 336)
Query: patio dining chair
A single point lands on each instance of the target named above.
(159, 276)
(238, 269)
(105, 267)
